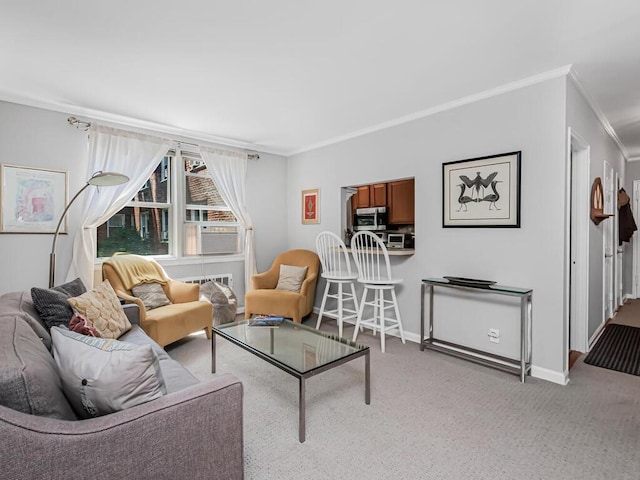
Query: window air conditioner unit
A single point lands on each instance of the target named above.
(208, 240)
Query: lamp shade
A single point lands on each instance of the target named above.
(107, 179)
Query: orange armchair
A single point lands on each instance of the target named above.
(264, 299)
(186, 313)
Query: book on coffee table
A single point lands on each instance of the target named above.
(266, 321)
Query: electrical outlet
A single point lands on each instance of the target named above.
(494, 335)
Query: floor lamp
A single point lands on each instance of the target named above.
(98, 179)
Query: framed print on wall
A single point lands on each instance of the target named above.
(32, 199)
(482, 192)
(310, 206)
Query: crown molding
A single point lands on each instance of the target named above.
(493, 92)
(122, 120)
(573, 76)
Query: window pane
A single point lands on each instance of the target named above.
(144, 231)
(156, 189)
(202, 191)
(194, 165)
(196, 215)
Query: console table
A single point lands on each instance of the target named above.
(520, 366)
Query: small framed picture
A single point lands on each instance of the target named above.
(310, 206)
(32, 199)
(482, 192)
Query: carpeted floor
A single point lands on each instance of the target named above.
(431, 416)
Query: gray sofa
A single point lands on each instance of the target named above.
(194, 431)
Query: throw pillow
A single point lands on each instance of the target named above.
(29, 380)
(151, 294)
(101, 376)
(51, 304)
(291, 278)
(79, 324)
(101, 307)
(223, 300)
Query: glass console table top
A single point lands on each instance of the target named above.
(483, 286)
(294, 345)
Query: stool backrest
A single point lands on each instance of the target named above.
(333, 254)
(371, 257)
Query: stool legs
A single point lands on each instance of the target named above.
(341, 297)
(379, 320)
(324, 301)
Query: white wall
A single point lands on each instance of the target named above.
(581, 119)
(41, 138)
(532, 120)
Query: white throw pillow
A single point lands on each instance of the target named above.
(291, 278)
(102, 375)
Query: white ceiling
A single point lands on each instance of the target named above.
(284, 76)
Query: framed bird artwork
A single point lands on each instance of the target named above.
(482, 192)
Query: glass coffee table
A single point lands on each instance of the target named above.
(297, 349)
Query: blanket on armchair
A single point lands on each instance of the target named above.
(134, 270)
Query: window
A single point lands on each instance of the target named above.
(145, 226)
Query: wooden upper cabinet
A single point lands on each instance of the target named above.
(378, 195)
(372, 196)
(363, 199)
(401, 200)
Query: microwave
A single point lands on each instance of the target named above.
(395, 240)
(370, 219)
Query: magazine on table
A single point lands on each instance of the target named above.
(266, 321)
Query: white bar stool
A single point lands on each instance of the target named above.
(374, 273)
(336, 270)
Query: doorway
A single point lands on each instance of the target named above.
(578, 246)
(608, 244)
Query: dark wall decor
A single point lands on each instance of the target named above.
(482, 192)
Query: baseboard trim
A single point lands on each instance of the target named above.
(550, 375)
(536, 372)
(628, 296)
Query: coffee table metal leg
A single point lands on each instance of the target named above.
(367, 379)
(213, 352)
(302, 407)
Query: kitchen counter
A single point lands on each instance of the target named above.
(396, 252)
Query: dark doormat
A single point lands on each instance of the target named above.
(617, 349)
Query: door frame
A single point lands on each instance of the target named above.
(577, 283)
(618, 251)
(636, 244)
(608, 235)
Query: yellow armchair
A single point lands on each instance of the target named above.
(186, 313)
(264, 299)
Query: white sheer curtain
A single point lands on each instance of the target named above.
(111, 150)
(229, 171)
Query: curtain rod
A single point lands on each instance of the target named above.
(84, 125)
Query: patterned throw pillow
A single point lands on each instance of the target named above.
(151, 294)
(224, 301)
(102, 309)
(291, 278)
(101, 376)
(51, 304)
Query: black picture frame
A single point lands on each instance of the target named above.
(482, 192)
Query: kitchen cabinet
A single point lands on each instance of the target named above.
(378, 195)
(363, 198)
(371, 196)
(401, 202)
